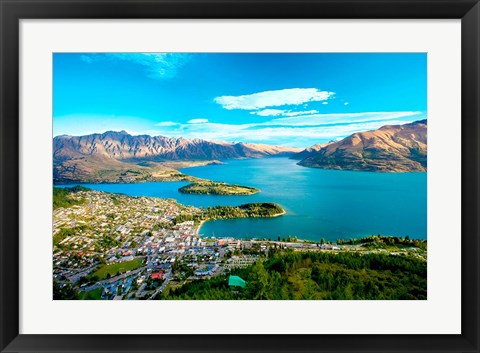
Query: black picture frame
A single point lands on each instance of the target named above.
(14, 10)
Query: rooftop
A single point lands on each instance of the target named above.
(235, 281)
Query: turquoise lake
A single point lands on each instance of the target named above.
(329, 204)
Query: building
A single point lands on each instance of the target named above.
(235, 281)
(157, 275)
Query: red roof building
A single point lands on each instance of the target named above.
(157, 275)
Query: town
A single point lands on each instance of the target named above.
(116, 247)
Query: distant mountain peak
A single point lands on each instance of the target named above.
(84, 155)
(114, 133)
(391, 148)
(418, 122)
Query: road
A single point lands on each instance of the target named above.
(112, 279)
(75, 277)
(162, 287)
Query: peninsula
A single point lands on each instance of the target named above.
(117, 247)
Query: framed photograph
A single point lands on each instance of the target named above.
(239, 176)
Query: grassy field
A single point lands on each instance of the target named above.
(113, 269)
(91, 295)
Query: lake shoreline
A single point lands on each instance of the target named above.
(219, 219)
(320, 203)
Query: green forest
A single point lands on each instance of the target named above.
(61, 199)
(287, 274)
(217, 188)
(256, 209)
(383, 241)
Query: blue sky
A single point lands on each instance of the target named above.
(279, 99)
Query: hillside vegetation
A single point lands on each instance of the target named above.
(217, 188)
(317, 275)
(255, 209)
(61, 197)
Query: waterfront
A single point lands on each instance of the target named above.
(327, 204)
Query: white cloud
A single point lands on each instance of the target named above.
(335, 119)
(276, 135)
(198, 121)
(346, 103)
(88, 59)
(269, 112)
(277, 112)
(157, 65)
(306, 112)
(290, 96)
(167, 123)
(324, 103)
(300, 130)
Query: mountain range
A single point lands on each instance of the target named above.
(119, 156)
(391, 148)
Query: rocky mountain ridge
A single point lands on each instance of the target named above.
(391, 148)
(119, 157)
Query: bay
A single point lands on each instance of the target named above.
(328, 204)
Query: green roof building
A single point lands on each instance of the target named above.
(235, 281)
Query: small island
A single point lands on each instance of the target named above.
(217, 188)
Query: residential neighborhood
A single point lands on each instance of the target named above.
(118, 247)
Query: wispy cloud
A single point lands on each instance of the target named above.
(198, 121)
(87, 58)
(167, 123)
(260, 100)
(269, 112)
(279, 112)
(287, 135)
(156, 65)
(294, 131)
(339, 119)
